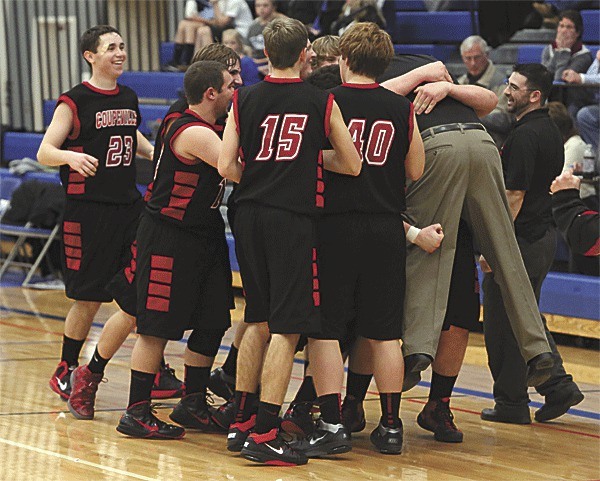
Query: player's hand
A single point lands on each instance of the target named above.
(429, 95)
(566, 180)
(485, 267)
(430, 238)
(434, 72)
(85, 164)
(571, 76)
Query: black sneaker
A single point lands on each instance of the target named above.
(224, 415)
(238, 433)
(557, 404)
(353, 414)
(298, 419)
(139, 421)
(437, 418)
(221, 384)
(166, 385)
(326, 439)
(270, 448)
(60, 382)
(193, 412)
(388, 440)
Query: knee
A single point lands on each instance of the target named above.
(205, 342)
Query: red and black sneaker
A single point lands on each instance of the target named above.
(166, 385)
(353, 414)
(84, 384)
(139, 421)
(437, 418)
(238, 434)
(270, 448)
(193, 412)
(224, 415)
(60, 382)
(221, 384)
(388, 440)
(298, 419)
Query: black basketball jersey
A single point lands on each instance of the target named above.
(381, 125)
(186, 193)
(283, 124)
(105, 126)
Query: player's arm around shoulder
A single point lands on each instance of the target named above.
(50, 152)
(414, 164)
(346, 159)
(198, 144)
(228, 164)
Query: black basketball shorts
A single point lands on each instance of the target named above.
(96, 240)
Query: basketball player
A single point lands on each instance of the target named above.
(278, 127)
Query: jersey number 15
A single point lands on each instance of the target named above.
(290, 137)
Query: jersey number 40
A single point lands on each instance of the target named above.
(290, 137)
(379, 142)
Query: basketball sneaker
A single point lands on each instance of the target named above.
(221, 384)
(326, 439)
(139, 421)
(238, 434)
(166, 385)
(270, 448)
(224, 415)
(60, 382)
(193, 412)
(84, 384)
(298, 419)
(353, 414)
(388, 440)
(437, 418)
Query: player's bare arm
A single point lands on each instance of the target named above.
(198, 144)
(428, 238)
(414, 164)
(515, 201)
(50, 152)
(346, 159)
(480, 99)
(228, 164)
(144, 147)
(404, 84)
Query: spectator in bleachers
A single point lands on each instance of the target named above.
(355, 11)
(327, 50)
(316, 15)
(588, 117)
(482, 71)
(199, 28)
(233, 40)
(266, 10)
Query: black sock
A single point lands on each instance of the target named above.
(140, 387)
(177, 54)
(71, 349)
(229, 366)
(390, 409)
(196, 379)
(306, 392)
(441, 386)
(358, 385)
(331, 408)
(267, 417)
(187, 53)
(97, 363)
(246, 404)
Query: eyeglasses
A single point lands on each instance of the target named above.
(516, 88)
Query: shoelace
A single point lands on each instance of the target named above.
(444, 413)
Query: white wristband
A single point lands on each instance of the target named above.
(412, 233)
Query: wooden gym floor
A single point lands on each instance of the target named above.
(41, 440)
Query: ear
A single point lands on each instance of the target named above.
(88, 55)
(210, 93)
(535, 96)
(267, 53)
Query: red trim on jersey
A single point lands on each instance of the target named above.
(72, 252)
(73, 264)
(167, 120)
(75, 131)
(179, 202)
(373, 85)
(160, 290)
(595, 250)
(76, 189)
(328, 109)
(279, 80)
(157, 304)
(411, 124)
(114, 91)
(130, 270)
(173, 212)
(182, 191)
(72, 227)
(161, 276)
(589, 212)
(194, 114)
(72, 240)
(236, 114)
(187, 178)
(161, 262)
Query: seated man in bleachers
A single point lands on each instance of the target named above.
(482, 71)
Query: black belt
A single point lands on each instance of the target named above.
(449, 128)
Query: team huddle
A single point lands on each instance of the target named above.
(347, 238)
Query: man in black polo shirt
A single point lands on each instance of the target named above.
(532, 157)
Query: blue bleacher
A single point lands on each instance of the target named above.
(441, 52)
(165, 53)
(530, 53)
(591, 26)
(17, 145)
(154, 85)
(433, 27)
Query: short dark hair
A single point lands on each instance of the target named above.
(538, 77)
(90, 39)
(326, 77)
(559, 113)
(219, 53)
(285, 38)
(201, 76)
(575, 17)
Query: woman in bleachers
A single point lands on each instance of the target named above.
(233, 40)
